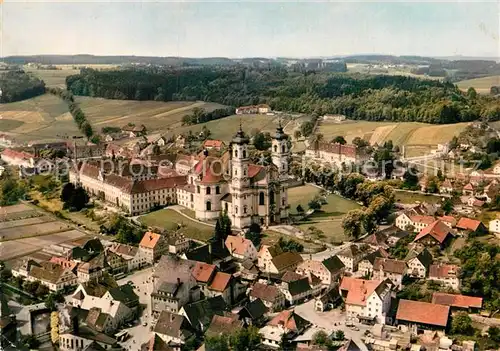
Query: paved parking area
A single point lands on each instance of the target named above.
(332, 320)
(139, 333)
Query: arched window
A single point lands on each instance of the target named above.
(208, 190)
(244, 154)
(198, 189)
(275, 148)
(262, 198)
(235, 153)
(245, 209)
(192, 198)
(217, 189)
(244, 171)
(226, 207)
(209, 206)
(236, 209)
(271, 197)
(283, 148)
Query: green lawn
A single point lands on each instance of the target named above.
(410, 198)
(328, 219)
(170, 220)
(271, 237)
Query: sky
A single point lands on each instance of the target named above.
(250, 29)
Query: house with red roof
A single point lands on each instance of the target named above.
(447, 275)
(335, 153)
(394, 270)
(152, 246)
(253, 110)
(284, 326)
(446, 187)
(417, 222)
(366, 300)
(210, 144)
(18, 158)
(436, 233)
(468, 189)
(241, 248)
(469, 225)
(458, 302)
(271, 296)
(419, 316)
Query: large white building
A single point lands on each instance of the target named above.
(335, 154)
(208, 185)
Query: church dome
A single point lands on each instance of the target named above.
(280, 134)
(240, 137)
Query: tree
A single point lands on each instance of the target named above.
(222, 228)
(300, 209)
(5, 275)
(447, 206)
(320, 338)
(461, 323)
(339, 139)
(339, 335)
(471, 93)
(262, 141)
(314, 204)
(30, 341)
(494, 334)
(432, 185)
(78, 200)
(86, 129)
(11, 192)
(54, 325)
(290, 245)
(245, 339)
(254, 234)
(67, 192)
(353, 223)
(297, 134)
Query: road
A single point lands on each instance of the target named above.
(140, 334)
(332, 320)
(323, 255)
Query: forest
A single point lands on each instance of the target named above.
(19, 85)
(358, 96)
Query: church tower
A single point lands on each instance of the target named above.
(240, 182)
(280, 152)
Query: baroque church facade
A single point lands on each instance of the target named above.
(247, 192)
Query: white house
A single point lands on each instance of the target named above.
(419, 222)
(445, 274)
(366, 299)
(494, 226)
(240, 247)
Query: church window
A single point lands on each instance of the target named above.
(236, 209)
(192, 198)
(271, 197)
(235, 153)
(217, 189)
(209, 206)
(198, 189)
(235, 172)
(226, 207)
(275, 148)
(261, 198)
(283, 148)
(244, 209)
(208, 190)
(244, 172)
(283, 201)
(244, 153)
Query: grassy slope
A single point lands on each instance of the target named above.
(404, 133)
(41, 118)
(329, 219)
(482, 85)
(170, 219)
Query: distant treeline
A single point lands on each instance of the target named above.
(460, 69)
(199, 115)
(19, 85)
(364, 97)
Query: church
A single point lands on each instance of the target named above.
(208, 185)
(247, 192)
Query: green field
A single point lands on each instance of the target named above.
(156, 116)
(54, 77)
(170, 220)
(41, 118)
(225, 128)
(271, 237)
(482, 85)
(404, 133)
(329, 218)
(411, 198)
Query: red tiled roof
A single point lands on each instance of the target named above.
(265, 292)
(358, 290)
(422, 219)
(468, 224)
(17, 154)
(220, 281)
(453, 300)
(253, 170)
(202, 272)
(443, 270)
(469, 187)
(150, 240)
(423, 312)
(289, 320)
(438, 230)
(213, 143)
(149, 185)
(237, 244)
(210, 169)
(448, 219)
(389, 265)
